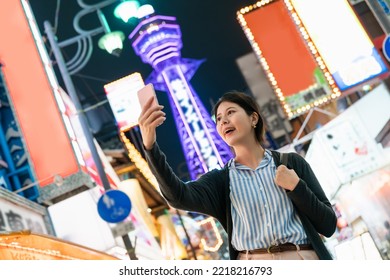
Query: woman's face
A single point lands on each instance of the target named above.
(233, 124)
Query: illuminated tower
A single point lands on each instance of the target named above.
(157, 40)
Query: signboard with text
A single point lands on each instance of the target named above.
(18, 218)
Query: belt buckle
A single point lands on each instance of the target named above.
(278, 248)
(272, 247)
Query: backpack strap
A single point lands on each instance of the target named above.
(279, 158)
(284, 158)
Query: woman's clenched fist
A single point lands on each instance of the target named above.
(286, 178)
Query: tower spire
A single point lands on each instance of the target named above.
(157, 40)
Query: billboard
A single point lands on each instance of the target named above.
(292, 70)
(31, 84)
(310, 52)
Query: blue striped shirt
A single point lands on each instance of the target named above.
(262, 213)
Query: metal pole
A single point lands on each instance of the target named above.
(304, 124)
(129, 247)
(187, 235)
(73, 95)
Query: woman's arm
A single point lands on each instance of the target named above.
(203, 195)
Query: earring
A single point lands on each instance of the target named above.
(254, 125)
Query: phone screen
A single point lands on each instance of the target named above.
(145, 93)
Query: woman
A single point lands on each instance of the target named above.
(268, 210)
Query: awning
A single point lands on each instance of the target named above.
(24, 245)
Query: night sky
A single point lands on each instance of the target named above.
(209, 29)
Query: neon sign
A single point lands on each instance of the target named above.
(193, 120)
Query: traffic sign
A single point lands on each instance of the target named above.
(114, 206)
(386, 47)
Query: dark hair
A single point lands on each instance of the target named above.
(249, 104)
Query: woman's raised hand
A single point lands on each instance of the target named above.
(151, 116)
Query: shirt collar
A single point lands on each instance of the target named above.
(267, 159)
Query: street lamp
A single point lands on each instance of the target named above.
(126, 10)
(82, 56)
(112, 41)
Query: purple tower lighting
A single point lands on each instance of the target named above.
(157, 40)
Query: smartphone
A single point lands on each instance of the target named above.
(145, 93)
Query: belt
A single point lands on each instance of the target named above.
(280, 248)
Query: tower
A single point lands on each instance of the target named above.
(157, 40)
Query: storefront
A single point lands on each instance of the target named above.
(353, 166)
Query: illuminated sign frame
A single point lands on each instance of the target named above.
(287, 107)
